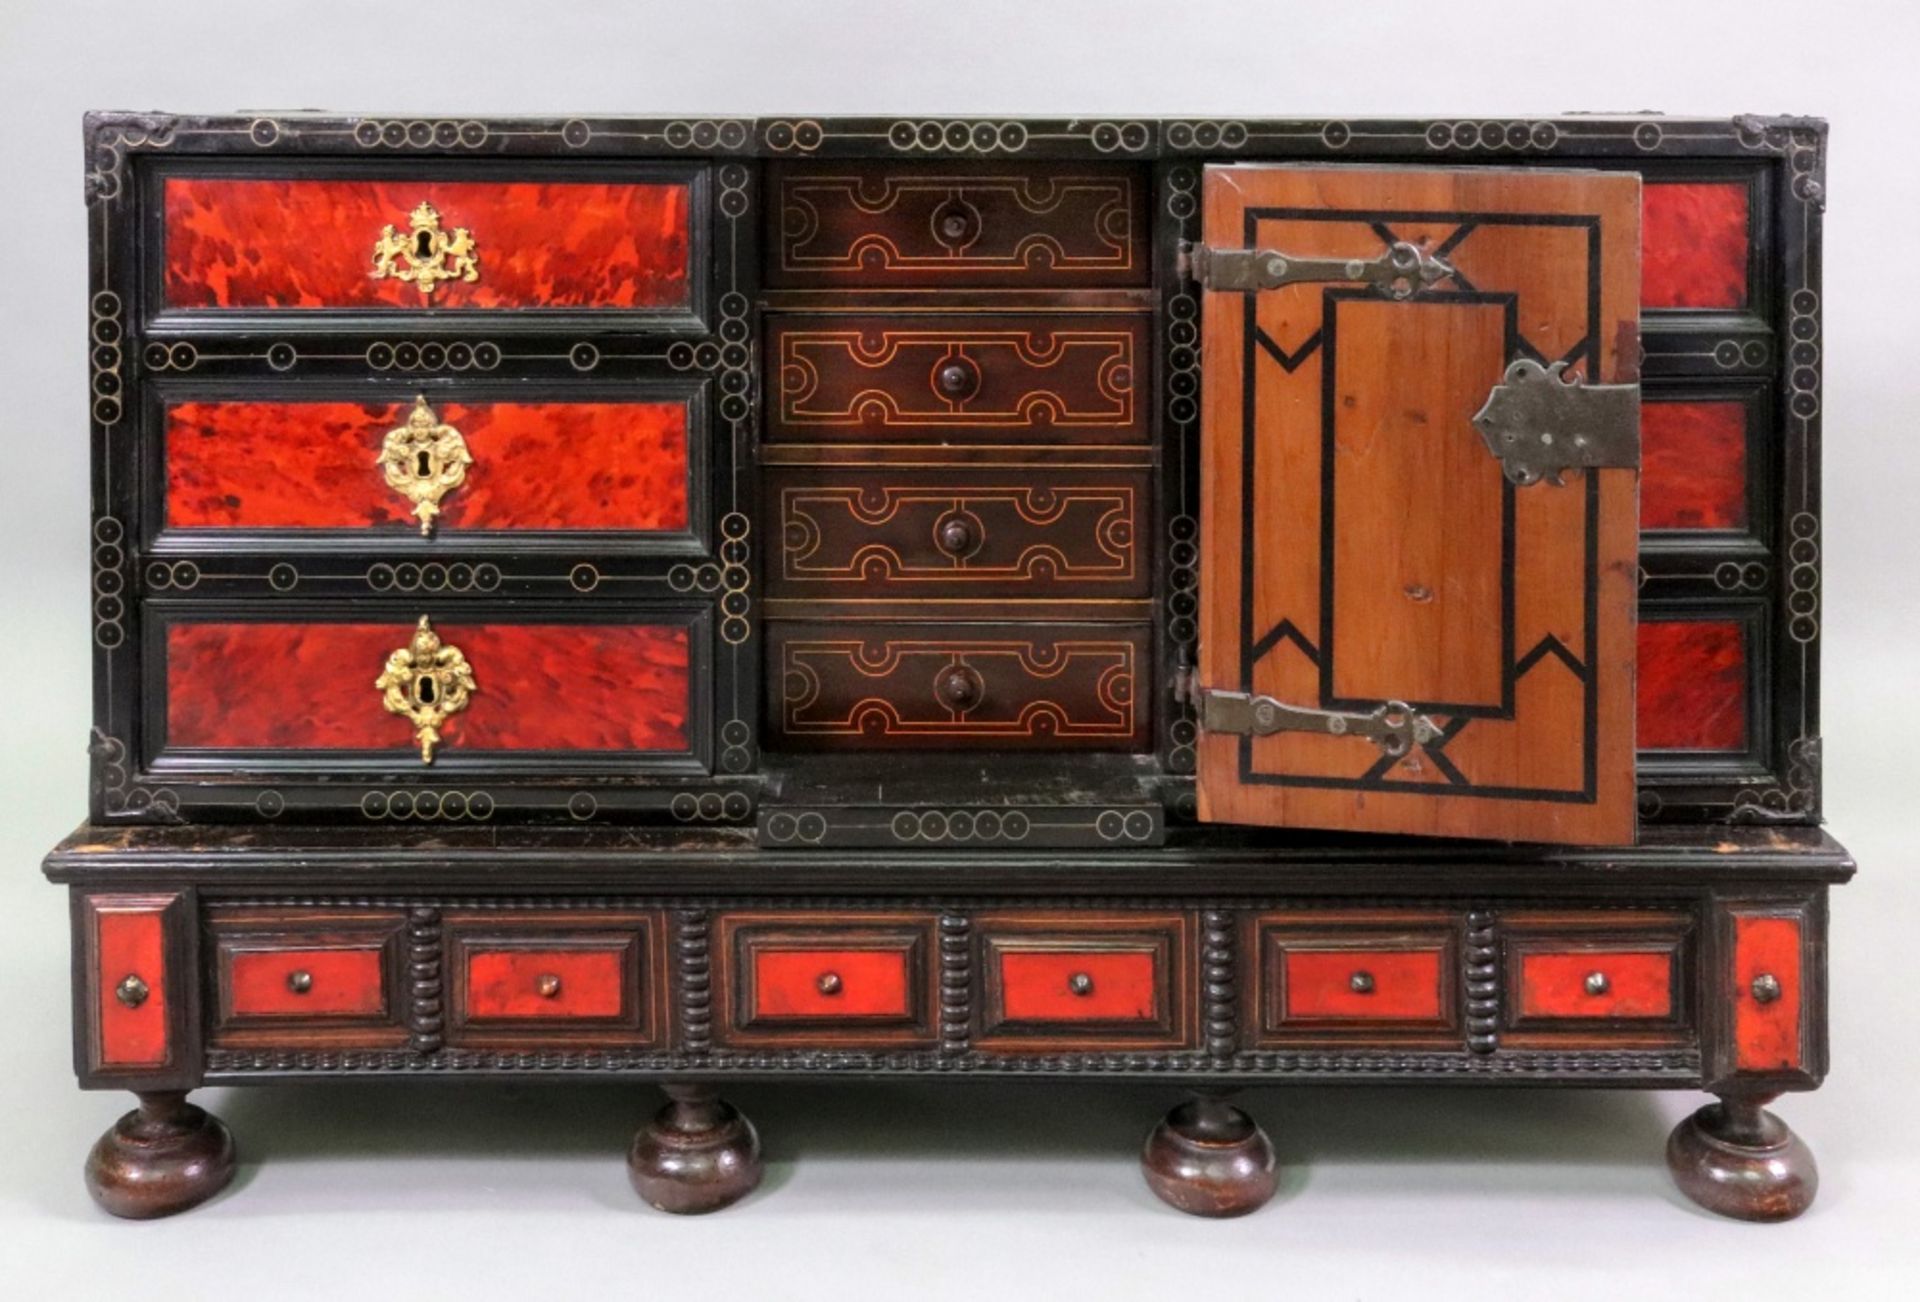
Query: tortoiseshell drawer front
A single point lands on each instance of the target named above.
(960, 532)
(1378, 975)
(1620, 977)
(406, 464)
(419, 239)
(1007, 377)
(1085, 981)
(841, 979)
(887, 226)
(937, 686)
(527, 976)
(306, 976)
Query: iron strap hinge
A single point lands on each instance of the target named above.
(1539, 425)
(1394, 726)
(1400, 272)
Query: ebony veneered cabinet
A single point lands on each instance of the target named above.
(1209, 601)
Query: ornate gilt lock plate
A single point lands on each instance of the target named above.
(424, 460)
(426, 255)
(427, 682)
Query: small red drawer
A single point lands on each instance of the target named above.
(585, 977)
(1393, 985)
(130, 980)
(537, 983)
(834, 979)
(1767, 992)
(308, 982)
(1071, 986)
(292, 977)
(1597, 983)
(1083, 980)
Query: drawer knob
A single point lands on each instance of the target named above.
(960, 688)
(424, 460)
(1361, 983)
(1597, 983)
(829, 983)
(1766, 988)
(131, 991)
(548, 985)
(956, 378)
(426, 255)
(1080, 983)
(426, 681)
(955, 537)
(300, 981)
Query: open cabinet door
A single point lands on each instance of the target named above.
(1419, 449)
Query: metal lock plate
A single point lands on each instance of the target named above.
(1539, 425)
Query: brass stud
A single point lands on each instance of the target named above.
(1361, 983)
(300, 981)
(1597, 983)
(548, 986)
(131, 991)
(1080, 983)
(829, 983)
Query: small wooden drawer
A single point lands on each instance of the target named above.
(1384, 975)
(894, 226)
(908, 686)
(1085, 980)
(307, 976)
(961, 533)
(591, 978)
(1007, 377)
(410, 240)
(1615, 975)
(843, 980)
(398, 465)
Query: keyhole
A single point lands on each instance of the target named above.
(423, 460)
(423, 245)
(423, 689)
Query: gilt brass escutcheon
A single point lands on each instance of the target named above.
(426, 255)
(424, 460)
(426, 682)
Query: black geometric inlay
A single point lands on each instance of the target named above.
(1289, 362)
(1550, 646)
(1284, 631)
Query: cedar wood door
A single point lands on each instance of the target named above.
(1360, 544)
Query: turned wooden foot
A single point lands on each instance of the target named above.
(163, 1157)
(1209, 1158)
(1736, 1158)
(698, 1155)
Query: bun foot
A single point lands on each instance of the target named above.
(1736, 1158)
(163, 1157)
(1209, 1158)
(698, 1155)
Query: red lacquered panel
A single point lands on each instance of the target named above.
(1766, 1036)
(345, 982)
(536, 465)
(1405, 985)
(1693, 685)
(1638, 984)
(577, 687)
(130, 940)
(832, 983)
(247, 243)
(1040, 986)
(1693, 244)
(523, 983)
(1693, 465)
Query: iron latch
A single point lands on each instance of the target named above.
(1400, 272)
(1394, 726)
(1539, 425)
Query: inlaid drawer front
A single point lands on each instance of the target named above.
(840, 979)
(1769, 988)
(987, 378)
(862, 225)
(1388, 975)
(961, 532)
(589, 978)
(410, 242)
(1567, 973)
(1085, 980)
(130, 953)
(410, 465)
(309, 976)
(939, 685)
(440, 689)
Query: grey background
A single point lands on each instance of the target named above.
(932, 1192)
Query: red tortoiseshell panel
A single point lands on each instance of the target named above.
(1693, 244)
(1766, 1036)
(1693, 465)
(790, 983)
(130, 940)
(537, 465)
(1038, 986)
(1693, 685)
(341, 982)
(514, 983)
(1637, 984)
(247, 243)
(1406, 984)
(585, 687)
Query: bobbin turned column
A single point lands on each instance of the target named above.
(1209, 1158)
(163, 1157)
(1738, 1159)
(697, 1155)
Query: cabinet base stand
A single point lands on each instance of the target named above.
(1738, 1159)
(1209, 1158)
(697, 1155)
(165, 1156)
